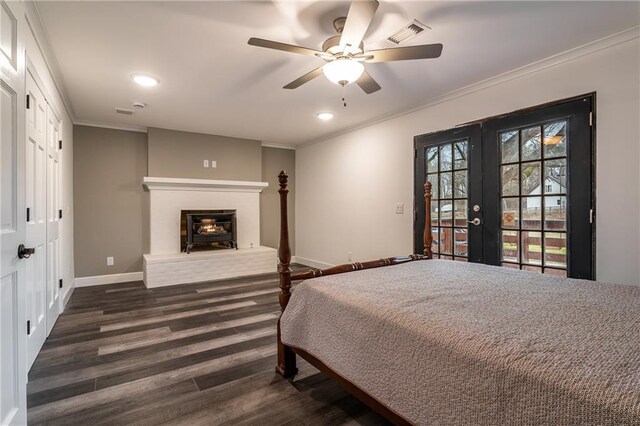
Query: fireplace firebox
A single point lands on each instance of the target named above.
(208, 230)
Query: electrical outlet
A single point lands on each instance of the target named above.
(214, 164)
(400, 208)
(205, 163)
(110, 261)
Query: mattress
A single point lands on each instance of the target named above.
(452, 343)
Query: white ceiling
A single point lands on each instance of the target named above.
(211, 81)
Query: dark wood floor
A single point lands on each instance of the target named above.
(189, 354)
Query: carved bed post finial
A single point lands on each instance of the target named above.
(286, 357)
(428, 236)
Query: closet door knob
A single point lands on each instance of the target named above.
(25, 252)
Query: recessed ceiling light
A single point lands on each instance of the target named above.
(145, 80)
(324, 116)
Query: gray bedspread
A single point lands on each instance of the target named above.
(451, 343)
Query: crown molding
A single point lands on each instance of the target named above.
(129, 128)
(278, 145)
(534, 67)
(37, 28)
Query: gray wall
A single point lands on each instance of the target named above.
(181, 154)
(273, 161)
(111, 208)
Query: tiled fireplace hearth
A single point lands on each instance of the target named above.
(168, 264)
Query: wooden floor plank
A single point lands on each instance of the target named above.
(190, 354)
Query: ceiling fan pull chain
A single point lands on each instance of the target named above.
(344, 102)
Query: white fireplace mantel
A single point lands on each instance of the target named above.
(181, 184)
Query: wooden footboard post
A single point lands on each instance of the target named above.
(286, 357)
(428, 236)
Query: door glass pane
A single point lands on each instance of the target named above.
(446, 213)
(446, 240)
(435, 247)
(510, 143)
(531, 143)
(532, 248)
(435, 216)
(555, 213)
(531, 178)
(445, 157)
(435, 194)
(460, 155)
(555, 142)
(460, 248)
(460, 213)
(555, 244)
(432, 160)
(460, 184)
(446, 190)
(510, 213)
(510, 180)
(555, 176)
(510, 246)
(531, 212)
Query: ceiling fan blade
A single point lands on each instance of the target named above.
(367, 83)
(284, 47)
(304, 79)
(424, 51)
(358, 20)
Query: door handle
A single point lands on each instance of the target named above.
(25, 252)
(476, 221)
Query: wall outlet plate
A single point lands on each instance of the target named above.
(214, 164)
(400, 208)
(110, 261)
(205, 163)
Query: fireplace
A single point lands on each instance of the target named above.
(208, 230)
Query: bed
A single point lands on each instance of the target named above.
(436, 342)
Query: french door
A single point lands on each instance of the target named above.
(514, 190)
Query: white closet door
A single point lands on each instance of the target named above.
(13, 376)
(36, 201)
(53, 218)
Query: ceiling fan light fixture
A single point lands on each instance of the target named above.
(343, 71)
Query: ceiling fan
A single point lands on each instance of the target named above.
(344, 53)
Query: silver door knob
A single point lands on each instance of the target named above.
(475, 221)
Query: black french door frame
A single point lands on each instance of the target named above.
(484, 242)
(578, 112)
(473, 135)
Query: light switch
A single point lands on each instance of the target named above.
(400, 208)
(110, 261)
(213, 164)
(205, 163)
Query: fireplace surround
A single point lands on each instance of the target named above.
(168, 264)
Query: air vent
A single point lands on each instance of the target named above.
(124, 111)
(407, 32)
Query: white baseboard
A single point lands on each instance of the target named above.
(310, 262)
(108, 279)
(67, 295)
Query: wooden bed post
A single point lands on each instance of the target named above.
(428, 236)
(286, 357)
